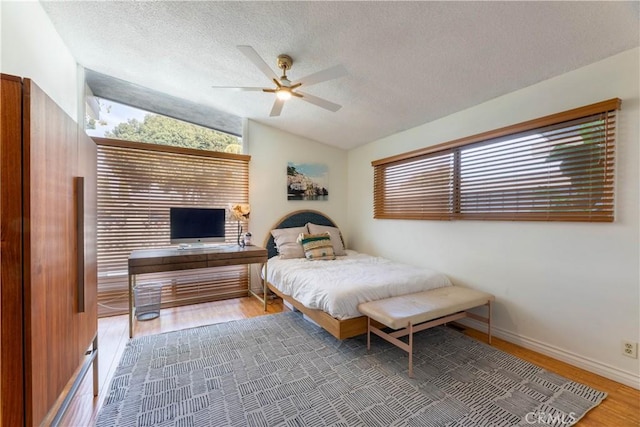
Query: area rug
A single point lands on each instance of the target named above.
(280, 370)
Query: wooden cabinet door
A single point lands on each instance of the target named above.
(11, 315)
(56, 333)
(44, 330)
(49, 145)
(86, 322)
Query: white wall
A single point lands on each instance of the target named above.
(570, 290)
(31, 47)
(271, 149)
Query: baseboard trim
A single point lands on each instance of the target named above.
(611, 372)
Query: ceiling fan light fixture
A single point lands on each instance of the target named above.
(284, 89)
(283, 94)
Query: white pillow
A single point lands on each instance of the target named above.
(334, 232)
(286, 241)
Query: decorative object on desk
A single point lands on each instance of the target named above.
(240, 212)
(247, 239)
(307, 181)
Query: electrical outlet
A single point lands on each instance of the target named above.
(630, 349)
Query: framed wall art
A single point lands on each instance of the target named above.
(307, 181)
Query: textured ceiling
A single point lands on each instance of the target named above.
(408, 63)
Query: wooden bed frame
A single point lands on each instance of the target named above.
(340, 329)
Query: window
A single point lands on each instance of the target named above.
(556, 168)
(137, 183)
(110, 119)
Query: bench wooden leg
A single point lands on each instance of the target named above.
(489, 321)
(394, 337)
(483, 319)
(410, 350)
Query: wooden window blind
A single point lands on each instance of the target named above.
(418, 188)
(556, 168)
(137, 183)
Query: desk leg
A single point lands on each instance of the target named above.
(264, 287)
(249, 273)
(132, 282)
(96, 378)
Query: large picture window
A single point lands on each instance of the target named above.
(137, 184)
(106, 118)
(556, 168)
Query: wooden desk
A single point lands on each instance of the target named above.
(174, 259)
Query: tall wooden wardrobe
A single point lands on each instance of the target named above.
(48, 281)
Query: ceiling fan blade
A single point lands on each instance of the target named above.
(243, 89)
(253, 56)
(323, 103)
(277, 108)
(324, 75)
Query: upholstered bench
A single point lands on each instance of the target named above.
(411, 313)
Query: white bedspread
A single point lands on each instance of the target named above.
(337, 287)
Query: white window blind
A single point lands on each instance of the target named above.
(137, 184)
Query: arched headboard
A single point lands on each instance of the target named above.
(296, 219)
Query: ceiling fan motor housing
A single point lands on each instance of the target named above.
(285, 62)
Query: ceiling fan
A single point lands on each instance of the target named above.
(284, 88)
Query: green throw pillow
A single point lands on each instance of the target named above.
(317, 246)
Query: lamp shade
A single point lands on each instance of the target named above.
(239, 211)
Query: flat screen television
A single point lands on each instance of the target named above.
(196, 225)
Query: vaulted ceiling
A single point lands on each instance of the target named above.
(407, 63)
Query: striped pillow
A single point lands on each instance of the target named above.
(317, 246)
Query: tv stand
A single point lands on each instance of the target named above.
(174, 259)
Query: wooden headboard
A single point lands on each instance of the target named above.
(296, 219)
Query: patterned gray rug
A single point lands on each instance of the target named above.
(279, 370)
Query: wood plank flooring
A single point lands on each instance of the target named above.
(620, 409)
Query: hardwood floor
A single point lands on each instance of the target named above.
(620, 409)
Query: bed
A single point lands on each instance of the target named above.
(327, 293)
